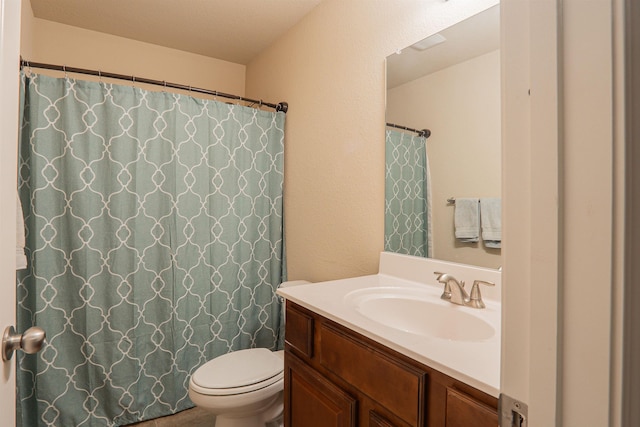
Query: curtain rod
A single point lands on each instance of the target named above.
(281, 106)
(426, 133)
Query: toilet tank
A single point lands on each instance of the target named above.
(294, 283)
(286, 285)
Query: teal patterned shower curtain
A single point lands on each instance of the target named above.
(155, 243)
(407, 217)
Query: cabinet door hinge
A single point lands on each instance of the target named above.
(513, 413)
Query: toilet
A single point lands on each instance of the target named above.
(243, 388)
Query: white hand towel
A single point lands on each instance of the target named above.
(491, 220)
(21, 258)
(467, 220)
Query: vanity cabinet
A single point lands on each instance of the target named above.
(335, 377)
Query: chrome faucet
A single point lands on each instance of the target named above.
(475, 300)
(453, 290)
(455, 293)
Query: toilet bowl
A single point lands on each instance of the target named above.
(243, 388)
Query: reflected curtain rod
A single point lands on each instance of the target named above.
(281, 106)
(426, 133)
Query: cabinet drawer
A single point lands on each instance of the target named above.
(397, 386)
(299, 330)
(463, 411)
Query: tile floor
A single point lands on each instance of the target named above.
(195, 417)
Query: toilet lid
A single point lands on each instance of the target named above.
(238, 369)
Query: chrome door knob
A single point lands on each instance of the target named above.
(30, 341)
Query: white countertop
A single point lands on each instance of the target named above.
(476, 363)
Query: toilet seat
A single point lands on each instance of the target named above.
(238, 372)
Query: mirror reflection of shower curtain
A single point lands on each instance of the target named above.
(407, 226)
(154, 237)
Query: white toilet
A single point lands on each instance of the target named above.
(242, 388)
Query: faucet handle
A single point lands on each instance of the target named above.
(475, 299)
(446, 293)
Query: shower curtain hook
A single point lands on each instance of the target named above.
(100, 76)
(64, 68)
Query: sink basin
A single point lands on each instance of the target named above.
(420, 312)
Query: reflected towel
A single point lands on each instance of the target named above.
(491, 220)
(21, 258)
(467, 220)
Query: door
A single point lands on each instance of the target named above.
(9, 81)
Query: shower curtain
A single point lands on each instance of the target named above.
(407, 219)
(155, 243)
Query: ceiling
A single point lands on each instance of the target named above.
(231, 30)
(465, 40)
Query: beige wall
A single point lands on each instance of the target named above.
(53, 43)
(461, 106)
(588, 243)
(558, 258)
(330, 68)
(561, 336)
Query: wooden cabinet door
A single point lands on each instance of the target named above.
(377, 420)
(312, 401)
(465, 411)
(385, 379)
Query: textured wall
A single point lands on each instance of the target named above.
(331, 70)
(50, 42)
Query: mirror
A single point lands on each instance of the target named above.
(449, 83)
